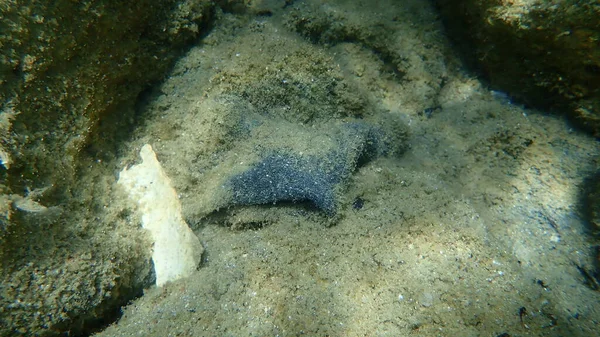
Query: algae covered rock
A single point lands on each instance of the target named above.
(544, 53)
(66, 80)
(70, 74)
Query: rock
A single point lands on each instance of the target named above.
(67, 91)
(542, 53)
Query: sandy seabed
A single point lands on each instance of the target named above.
(476, 230)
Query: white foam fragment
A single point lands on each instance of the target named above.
(177, 250)
(4, 158)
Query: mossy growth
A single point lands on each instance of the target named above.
(70, 74)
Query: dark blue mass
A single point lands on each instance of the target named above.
(282, 176)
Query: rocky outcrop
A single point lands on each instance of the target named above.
(65, 80)
(70, 74)
(543, 53)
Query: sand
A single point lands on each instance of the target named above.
(475, 230)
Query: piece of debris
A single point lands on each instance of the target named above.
(523, 313)
(542, 284)
(177, 250)
(28, 205)
(4, 158)
(588, 279)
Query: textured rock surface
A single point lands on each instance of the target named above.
(67, 83)
(70, 73)
(544, 53)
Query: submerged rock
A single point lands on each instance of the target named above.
(543, 53)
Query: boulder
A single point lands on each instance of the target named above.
(542, 53)
(70, 74)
